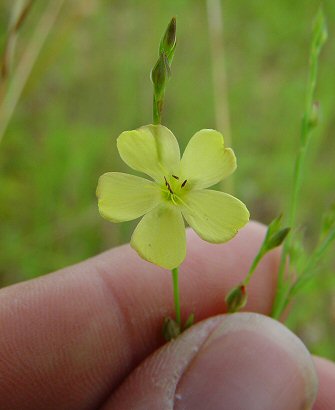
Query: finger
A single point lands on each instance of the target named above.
(75, 334)
(240, 361)
(326, 394)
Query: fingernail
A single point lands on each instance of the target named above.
(249, 362)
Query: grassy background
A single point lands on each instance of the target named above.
(91, 82)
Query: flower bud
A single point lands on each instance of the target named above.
(314, 115)
(328, 220)
(160, 74)
(236, 298)
(169, 40)
(277, 239)
(171, 329)
(320, 32)
(189, 322)
(274, 235)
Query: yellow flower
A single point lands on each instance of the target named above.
(177, 190)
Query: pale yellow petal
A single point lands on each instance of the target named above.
(151, 149)
(215, 216)
(123, 197)
(206, 161)
(160, 237)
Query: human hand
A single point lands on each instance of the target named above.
(74, 339)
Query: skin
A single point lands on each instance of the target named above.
(73, 339)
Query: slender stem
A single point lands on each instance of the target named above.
(309, 271)
(176, 295)
(305, 135)
(253, 267)
(157, 108)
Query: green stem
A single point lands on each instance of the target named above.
(305, 135)
(253, 267)
(157, 108)
(309, 270)
(314, 260)
(176, 295)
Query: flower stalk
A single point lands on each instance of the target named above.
(275, 236)
(308, 123)
(176, 294)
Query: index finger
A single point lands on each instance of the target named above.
(69, 338)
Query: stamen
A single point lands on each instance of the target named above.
(168, 186)
(175, 177)
(184, 183)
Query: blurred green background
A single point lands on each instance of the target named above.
(91, 82)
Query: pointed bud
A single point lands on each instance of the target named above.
(160, 74)
(297, 254)
(171, 329)
(328, 220)
(274, 226)
(169, 40)
(162, 71)
(320, 32)
(236, 298)
(274, 235)
(315, 115)
(189, 322)
(277, 239)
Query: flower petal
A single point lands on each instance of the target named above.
(151, 149)
(160, 237)
(206, 161)
(123, 197)
(215, 216)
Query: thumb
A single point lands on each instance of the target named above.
(239, 361)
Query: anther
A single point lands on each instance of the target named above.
(168, 186)
(184, 183)
(175, 177)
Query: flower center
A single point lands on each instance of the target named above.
(173, 188)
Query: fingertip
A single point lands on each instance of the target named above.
(244, 360)
(326, 394)
(112, 306)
